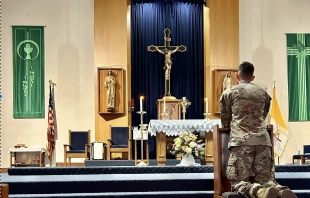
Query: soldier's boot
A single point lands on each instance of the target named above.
(270, 192)
(286, 193)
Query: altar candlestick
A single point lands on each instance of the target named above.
(207, 106)
(164, 105)
(141, 108)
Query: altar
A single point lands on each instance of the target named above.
(163, 128)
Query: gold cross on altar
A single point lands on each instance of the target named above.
(184, 103)
(167, 50)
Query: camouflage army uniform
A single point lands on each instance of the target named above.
(244, 109)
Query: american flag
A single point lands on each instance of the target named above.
(51, 127)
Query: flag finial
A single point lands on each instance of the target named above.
(52, 83)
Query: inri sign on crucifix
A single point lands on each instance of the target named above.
(167, 50)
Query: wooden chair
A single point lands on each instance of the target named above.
(222, 186)
(120, 142)
(304, 156)
(79, 146)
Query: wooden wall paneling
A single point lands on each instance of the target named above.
(221, 43)
(128, 76)
(110, 25)
(224, 33)
(97, 117)
(207, 76)
(111, 50)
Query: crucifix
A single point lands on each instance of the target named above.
(167, 50)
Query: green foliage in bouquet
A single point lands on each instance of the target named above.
(187, 144)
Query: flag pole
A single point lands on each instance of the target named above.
(52, 83)
(274, 86)
(52, 153)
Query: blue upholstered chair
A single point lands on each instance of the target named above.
(222, 186)
(120, 141)
(78, 147)
(304, 156)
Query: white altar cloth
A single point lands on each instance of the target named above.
(176, 127)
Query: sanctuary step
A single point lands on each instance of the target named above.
(167, 194)
(133, 170)
(110, 170)
(110, 183)
(147, 182)
(169, 162)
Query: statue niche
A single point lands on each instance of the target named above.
(110, 88)
(110, 84)
(223, 79)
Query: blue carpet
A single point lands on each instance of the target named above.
(152, 162)
(109, 170)
(167, 194)
(132, 170)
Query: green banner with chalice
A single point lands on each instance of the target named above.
(28, 72)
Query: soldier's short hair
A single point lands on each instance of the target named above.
(246, 69)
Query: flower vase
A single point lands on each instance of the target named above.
(188, 160)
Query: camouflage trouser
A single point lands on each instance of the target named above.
(258, 159)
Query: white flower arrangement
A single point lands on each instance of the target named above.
(187, 144)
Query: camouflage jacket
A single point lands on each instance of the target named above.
(244, 109)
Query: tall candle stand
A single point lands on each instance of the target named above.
(142, 128)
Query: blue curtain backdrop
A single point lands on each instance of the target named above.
(149, 18)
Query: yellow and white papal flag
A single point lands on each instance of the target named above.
(280, 130)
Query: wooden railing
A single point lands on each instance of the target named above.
(4, 191)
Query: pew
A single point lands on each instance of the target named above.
(222, 186)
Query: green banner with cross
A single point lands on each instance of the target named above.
(298, 67)
(28, 72)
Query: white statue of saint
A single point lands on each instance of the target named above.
(110, 84)
(227, 82)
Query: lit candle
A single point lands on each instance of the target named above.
(164, 105)
(141, 108)
(207, 106)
